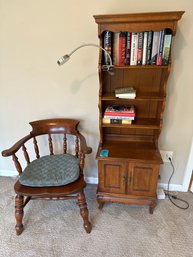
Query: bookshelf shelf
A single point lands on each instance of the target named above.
(141, 123)
(111, 97)
(129, 173)
(141, 67)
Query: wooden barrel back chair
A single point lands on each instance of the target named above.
(53, 176)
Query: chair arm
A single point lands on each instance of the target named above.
(16, 146)
(83, 146)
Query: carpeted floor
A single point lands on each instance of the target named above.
(54, 228)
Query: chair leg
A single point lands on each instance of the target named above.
(19, 201)
(84, 211)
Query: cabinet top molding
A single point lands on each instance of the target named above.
(139, 21)
(139, 17)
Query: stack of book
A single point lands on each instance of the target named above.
(125, 92)
(119, 114)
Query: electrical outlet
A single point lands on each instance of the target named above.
(166, 155)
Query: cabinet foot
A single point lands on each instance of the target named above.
(152, 207)
(100, 203)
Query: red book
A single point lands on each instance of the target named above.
(119, 114)
(119, 45)
(120, 110)
(122, 46)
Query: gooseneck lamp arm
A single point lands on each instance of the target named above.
(66, 57)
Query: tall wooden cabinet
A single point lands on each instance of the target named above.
(130, 172)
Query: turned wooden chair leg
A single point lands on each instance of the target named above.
(19, 200)
(84, 211)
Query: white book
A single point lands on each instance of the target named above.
(155, 46)
(126, 96)
(134, 43)
(144, 48)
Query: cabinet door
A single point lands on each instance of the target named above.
(112, 177)
(142, 179)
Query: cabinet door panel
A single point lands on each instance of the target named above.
(112, 177)
(142, 179)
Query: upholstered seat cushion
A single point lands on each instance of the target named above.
(52, 170)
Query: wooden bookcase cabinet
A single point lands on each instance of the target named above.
(130, 172)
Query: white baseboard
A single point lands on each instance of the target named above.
(94, 180)
(91, 180)
(8, 173)
(173, 187)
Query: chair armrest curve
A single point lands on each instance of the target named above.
(83, 146)
(16, 146)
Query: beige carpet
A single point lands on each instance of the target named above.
(54, 229)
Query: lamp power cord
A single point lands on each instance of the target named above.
(172, 197)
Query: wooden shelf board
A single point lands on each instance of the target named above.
(152, 97)
(141, 67)
(143, 151)
(144, 123)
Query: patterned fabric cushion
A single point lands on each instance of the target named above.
(52, 170)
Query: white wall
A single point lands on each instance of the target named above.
(34, 34)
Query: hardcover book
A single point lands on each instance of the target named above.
(119, 45)
(144, 56)
(107, 45)
(134, 42)
(128, 48)
(125, 92)
(120, 110)
(166, 47)
(119, 117)
(155, 45)
(160, 48)
(149, 47)
(140, 48)
(116, 121)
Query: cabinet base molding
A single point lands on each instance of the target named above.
(150, 201)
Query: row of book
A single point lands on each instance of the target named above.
(138, 48)
(119, 114)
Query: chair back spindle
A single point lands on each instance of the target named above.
(26, 155)
(77, 146)
(36, 148)
(64, 144)
(82, 156)
(17, 164)
(50, 144)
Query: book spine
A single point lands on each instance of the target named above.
(144, 57)
(118, 117)
(155, 45)
(160, 48)
(121, 48)
(115, 48)
(166, 47)
(116, 121)
(119, 114)
(128, 48)
(140, 48)
(126, 96)
(134, 42)
(107, 45)
(149, 47)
